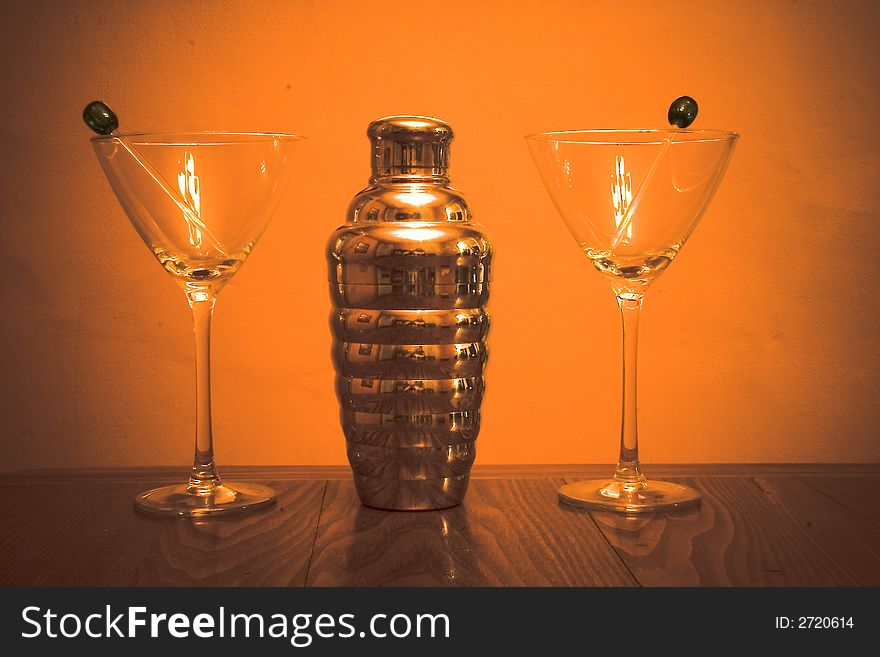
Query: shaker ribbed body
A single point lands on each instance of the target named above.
(409, 281)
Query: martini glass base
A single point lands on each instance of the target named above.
(224, 499)
(611, 495)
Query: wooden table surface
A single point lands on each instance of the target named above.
(759, 525)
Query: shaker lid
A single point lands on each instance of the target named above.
(409, 144)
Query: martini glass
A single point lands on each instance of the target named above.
(631, 199)
(199, 201)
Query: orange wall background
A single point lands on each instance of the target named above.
(759, 344)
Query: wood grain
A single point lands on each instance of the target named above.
(507, 533)
(838, 538)
(861, 494)
(770, 531)
(88, 534)
(770, 525)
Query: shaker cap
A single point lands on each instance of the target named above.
(409, 144)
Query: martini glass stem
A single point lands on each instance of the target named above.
(203, 479)
(629, 471)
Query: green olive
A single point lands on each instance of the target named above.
(683, 111)
(100, 118)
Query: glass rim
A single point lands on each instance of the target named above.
(564, 136)
(165, 138)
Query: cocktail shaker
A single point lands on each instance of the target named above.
(409, 281)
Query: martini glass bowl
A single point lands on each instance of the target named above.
(631, 199)
(200, 202)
